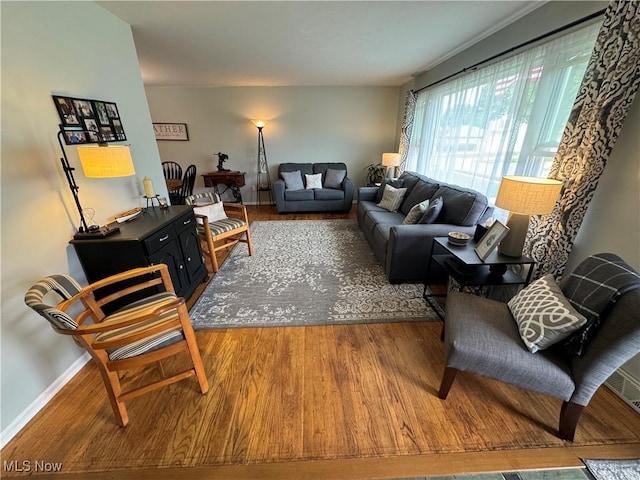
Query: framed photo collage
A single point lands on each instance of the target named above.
(89, 121)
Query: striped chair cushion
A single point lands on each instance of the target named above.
(147, 344)
(224, 225)
(63, 285)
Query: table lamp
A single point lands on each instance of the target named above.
(524, 196)
(101, 161)
(391, 161)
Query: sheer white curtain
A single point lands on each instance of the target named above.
(502, 119)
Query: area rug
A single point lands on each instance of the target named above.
(305, 272)
(614, 469)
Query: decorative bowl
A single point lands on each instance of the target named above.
(458, 238)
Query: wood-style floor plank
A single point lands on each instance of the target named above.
(340, 401)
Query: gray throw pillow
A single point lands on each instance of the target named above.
(432, 213)
(543, 314)
(334, 178)
(292, 180)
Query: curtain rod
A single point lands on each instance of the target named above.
(529, 42)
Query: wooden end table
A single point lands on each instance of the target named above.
(232, 179)
(465, 267)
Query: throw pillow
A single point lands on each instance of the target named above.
(292, 180)
(432, 213)
(392, 198)
(416, 213)
(334, 178)
(397, 183)
(313, 181)
(213, 211)
(543, 314)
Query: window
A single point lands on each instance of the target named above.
(503, 119)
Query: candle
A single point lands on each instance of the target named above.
(149, 192)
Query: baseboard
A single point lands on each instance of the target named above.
(38, 404)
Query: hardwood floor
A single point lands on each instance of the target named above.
(331, 402)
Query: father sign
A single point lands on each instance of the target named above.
(171, 131)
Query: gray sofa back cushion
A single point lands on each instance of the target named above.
(305, 168)
(461, 206)
(422, 190)
(322, 168)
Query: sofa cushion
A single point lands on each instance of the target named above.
(396, 183)
(292, 180)
(380, 216)
(328, 194)
(333, 178)
(461, 206)
(433, 212)
(297, 195)
(422, 190)
(323, 167)
(392, 198)
(313, 181)
(410, 180)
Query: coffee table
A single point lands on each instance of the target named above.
(463, 265)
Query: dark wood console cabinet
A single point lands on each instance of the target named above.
(155, 236)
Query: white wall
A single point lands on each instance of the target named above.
(76, 49)
(354, 125)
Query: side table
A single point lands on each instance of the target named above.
(232, 180)
(465, 267)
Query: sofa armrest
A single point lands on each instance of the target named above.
(409, 247)
(367, 194)
(349, 188)
(278, 194)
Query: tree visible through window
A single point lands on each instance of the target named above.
(503, 119)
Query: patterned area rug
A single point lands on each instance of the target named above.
(305, 272)
(614, 469)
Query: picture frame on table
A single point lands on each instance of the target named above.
(491, 239)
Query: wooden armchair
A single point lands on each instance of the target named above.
(220, 225)
(143, 332)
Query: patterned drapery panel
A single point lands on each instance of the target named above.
(407, 125)
(601, 106)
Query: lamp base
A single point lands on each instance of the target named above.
(101, 232)
(512, 244)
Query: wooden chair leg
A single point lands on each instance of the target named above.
(448, 377)
(249, 243)
(569, 416)
(112, 385)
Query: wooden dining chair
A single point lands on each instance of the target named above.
(153, 327)
(172, 170)
(220, 225)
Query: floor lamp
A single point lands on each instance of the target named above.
(101, 161)
(263, 179)
(524, 196)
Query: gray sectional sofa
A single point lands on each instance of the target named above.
(335, 194)
(403, 249)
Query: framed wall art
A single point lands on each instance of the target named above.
(84, 120)
(491, 239)
(171, 131)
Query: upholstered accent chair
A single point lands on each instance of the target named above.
(482, 337)
(154, 326)
(221, 225)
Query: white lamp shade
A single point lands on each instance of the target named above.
(391, 159)
(528, 195)
(104, 162)
(259, 123)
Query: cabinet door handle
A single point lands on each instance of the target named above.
(164, 238)
(187, 222)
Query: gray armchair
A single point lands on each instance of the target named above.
(481, 337)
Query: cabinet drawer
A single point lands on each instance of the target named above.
(160, 238)
(185, 222)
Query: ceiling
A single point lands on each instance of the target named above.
(304, 43)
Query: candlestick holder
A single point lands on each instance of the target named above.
(150, 201)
